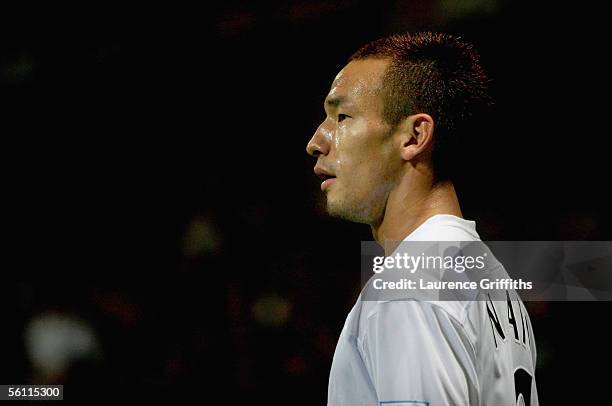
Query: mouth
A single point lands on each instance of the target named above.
(326, 177)
(327, 181)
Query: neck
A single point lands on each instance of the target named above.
(414, 200)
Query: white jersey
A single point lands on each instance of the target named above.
(413, 352)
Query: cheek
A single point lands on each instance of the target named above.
(355, 144)
(364, 175)
(369, 169)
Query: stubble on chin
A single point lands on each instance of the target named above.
(348, 209)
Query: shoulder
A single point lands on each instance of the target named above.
(424, 317)
(406, 328)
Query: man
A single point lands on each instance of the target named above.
(385, 156)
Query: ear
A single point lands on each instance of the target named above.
(417, 135)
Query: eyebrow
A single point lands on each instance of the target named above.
(334, 101)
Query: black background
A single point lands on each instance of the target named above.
(125, 128)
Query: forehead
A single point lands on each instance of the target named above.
(359, 82)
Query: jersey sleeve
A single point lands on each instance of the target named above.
(417, 354)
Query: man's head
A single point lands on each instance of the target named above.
(399, 105)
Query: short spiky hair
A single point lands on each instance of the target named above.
(431, 73)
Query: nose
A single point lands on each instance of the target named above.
(319, 143)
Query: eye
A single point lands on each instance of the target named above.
(342, 117)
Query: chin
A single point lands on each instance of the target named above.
(351, 211)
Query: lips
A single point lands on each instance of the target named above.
(326, 176)
(327, 183)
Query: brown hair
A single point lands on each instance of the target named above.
(433, 73)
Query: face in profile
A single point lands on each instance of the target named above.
(357, 159)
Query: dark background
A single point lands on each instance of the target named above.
(162, 208)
